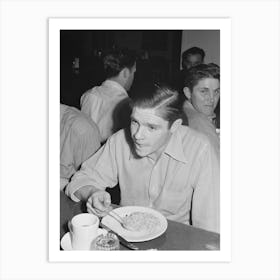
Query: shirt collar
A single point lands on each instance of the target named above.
(191, 110)
(174, 147)
(115, 85)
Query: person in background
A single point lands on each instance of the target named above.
(191, 57)
(107, 104)
(79, 139)
(158, 163)
(202, 90)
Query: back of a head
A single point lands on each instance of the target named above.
(160, 97)
(199, 72)
(116, 60)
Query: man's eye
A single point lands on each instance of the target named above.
(151, 127)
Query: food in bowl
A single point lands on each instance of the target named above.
(141, 221)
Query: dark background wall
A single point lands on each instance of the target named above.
(158, 51)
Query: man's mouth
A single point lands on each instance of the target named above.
(139, 145)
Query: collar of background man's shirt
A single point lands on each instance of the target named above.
(192, 112)
(113, 84)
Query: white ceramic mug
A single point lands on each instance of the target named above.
(83, 229)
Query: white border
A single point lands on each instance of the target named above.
(222, 24)
(24, 139)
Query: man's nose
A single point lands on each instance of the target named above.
(210, 97)
(139, 133)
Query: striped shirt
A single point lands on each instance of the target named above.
(79, 139)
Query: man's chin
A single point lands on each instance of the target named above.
(209, 113)
(140, 154)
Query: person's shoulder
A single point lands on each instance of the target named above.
(196, 119)
(201, 123)
(191, 136)
(194, 143)
(120, 139)
(91, 97)
(118, 136)
(82, 124)
(90, 92)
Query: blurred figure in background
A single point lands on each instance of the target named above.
(107, 104)
(191, 57)
(79, 139)
(202, 90)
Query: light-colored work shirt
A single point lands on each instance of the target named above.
(203, 124)
(79, 139)
(183, 184)
(101, 105)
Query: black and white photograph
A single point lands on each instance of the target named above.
(121, 158)
(140, 139)
(156, 166)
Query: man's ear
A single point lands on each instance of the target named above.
(175, 125)
(125, 73)
(187, 92)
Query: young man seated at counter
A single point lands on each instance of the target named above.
(202, 90)
(158, 163)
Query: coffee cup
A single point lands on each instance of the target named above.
(83, 230)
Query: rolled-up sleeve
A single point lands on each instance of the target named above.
(100, 171)
(206, 195)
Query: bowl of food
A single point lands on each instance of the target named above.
(142, 223)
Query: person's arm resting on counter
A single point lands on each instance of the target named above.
(96, 174)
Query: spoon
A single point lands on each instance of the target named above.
(115, 216)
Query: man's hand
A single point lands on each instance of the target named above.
(99, 203)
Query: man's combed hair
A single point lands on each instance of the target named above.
(199, 72)
(116, 60)
(162, 98)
